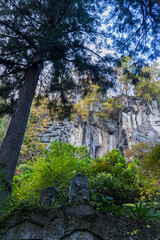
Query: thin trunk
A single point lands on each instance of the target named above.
(11, 146)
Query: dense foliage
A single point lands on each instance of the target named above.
(132, 79)
(113, 180)
(55, 168)
(62, 32)
(138, 79)
(37, 123)
(57, 34)
(2, 129)
(149, 157)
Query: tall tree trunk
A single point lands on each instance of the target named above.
(11, 146)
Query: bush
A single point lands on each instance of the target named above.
(142, 210)
(113, 180)
(112, 176)
(150, 168)
(55, 168)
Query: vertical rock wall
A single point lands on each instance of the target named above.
(139, 121)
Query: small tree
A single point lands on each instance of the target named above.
(144, 80)
(38, 121)
(86, 105)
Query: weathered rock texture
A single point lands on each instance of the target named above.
(79, 190)
(139, 121)
(57, 130)
(73, 223)
(48, 197)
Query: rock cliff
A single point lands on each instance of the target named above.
(138, 121)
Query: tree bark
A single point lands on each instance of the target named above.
(11, 146)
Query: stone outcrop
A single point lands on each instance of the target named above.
(139, 121)
(57, 130)
(73, 223)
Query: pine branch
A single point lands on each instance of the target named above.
(15, 30)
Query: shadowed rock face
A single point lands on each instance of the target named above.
(139, 121)
(69, 223)
(48, 197)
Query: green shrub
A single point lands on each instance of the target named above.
(112, 176)
(149, 173)
(55, 168)
(113, 180)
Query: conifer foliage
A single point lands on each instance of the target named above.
(134, 26)
(33, 34)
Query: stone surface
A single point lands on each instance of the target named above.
(61, 224)
(138, 122)
(24, 231)
(48, 197)
(56, 130)
(80, 210)
(79, 190)
(81, 235)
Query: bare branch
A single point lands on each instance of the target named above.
(143, 36)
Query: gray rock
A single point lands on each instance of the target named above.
(110, 127)
(139, 120)
(79, 189)
(81, 235)
(80, 210)
(48, 197)
(71, 223)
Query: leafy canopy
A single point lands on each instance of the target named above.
(134, 26)
(55, 168)
(138, 79)
(58, 33)
(64, 33)
(111, 177)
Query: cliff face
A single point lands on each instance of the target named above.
(139, 121)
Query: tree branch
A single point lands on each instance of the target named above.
(27, 19)
(63, 14)
(27, 39)
(143, 36)
(10, 62)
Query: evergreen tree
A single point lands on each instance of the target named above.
(35, 33)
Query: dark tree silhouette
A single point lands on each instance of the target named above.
(34, 33)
